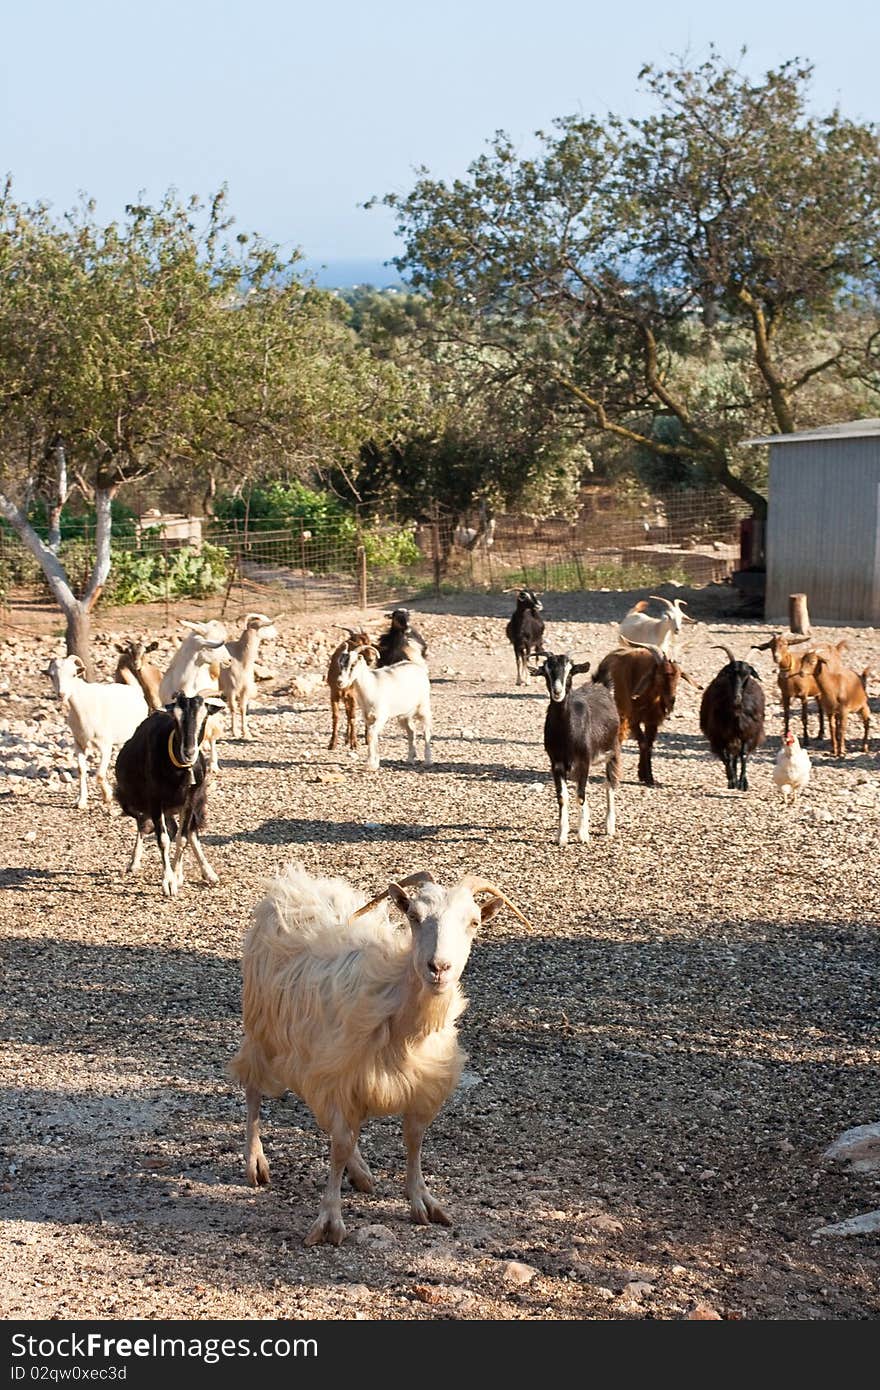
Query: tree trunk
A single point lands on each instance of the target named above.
(79, 637)
(798, 614)
(77, 612)
(59, 458)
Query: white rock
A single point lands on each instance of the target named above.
(515, 1272)
(863, 1225)
(375, 1235)
(859, 1146)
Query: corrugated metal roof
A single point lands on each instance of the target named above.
(849, 429)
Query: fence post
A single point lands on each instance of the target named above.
(165, 559)
(362, 576)
(435, 554)
(302, 561)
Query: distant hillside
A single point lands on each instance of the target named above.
(344, 275)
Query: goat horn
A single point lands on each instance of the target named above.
(720, 647)
(475, 883)
(661, 599)
(352, 632)
(422, 876)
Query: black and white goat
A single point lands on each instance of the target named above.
(525, 631)
(732, 717)
(401, 642)
(580, 727)
(160, 775)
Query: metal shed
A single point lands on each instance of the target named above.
(823, 522)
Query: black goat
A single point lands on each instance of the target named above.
(401, 642)
(580, 725)
(732, 717)
(525, 631)
(160, 774)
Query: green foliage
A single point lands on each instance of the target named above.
(139, 576)
(283, 505)
(712, 263)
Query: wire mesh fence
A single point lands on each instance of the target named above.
(690, 537)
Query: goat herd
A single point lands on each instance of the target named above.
(339, 1006)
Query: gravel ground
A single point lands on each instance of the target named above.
(655, 1070)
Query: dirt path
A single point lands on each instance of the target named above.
(655, 1070)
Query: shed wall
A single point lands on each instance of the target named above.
(823, 529)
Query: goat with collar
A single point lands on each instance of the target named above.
(161, 774)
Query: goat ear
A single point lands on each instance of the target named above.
(79, 663)
(490, 909)
(580, 668)
(171, 708)
(538, 670)
(753, 672)
(118, 647)
(152, 647)
(200, 628)
(215, 706)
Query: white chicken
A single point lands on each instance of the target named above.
(792, 771)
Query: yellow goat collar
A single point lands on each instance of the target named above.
(186, 767)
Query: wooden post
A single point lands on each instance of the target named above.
(362, 576)
(435, 552)
(798, 614)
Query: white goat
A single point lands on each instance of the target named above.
(356, 1017)
(640, 630)
(401, 692)
(100, 716)
(205, 644)
(236, 680)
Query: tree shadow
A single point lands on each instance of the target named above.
(660, 1076)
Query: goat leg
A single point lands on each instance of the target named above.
(562, 802)
(423, 1207)
(101, 774)
(82, 763)
(359, 1174)
(256, 1168)
(208, 873)
(583, 833)
(137, 853)
(334, 732)
(329, 1225)
(612, 779)
(169, 876)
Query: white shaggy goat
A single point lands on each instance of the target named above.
(401, 692)
(357, 1017)
(643, 631)
(186, 672)
(101, 716)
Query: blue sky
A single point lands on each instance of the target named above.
(307, 110)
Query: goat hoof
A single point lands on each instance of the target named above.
(210, 877)
(257, 1172)
(425, 1209)
(327, 1228)
(169, 885)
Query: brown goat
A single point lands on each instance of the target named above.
(796, 677)
(355, 641)
(132, 667)
(842, 693)
(644, 682)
